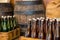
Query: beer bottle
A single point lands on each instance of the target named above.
(44, 28)
(0, 25)
(11, 22)
(2, 21)
(4, 24)
(37, 26)
(28, 30)
(41, 29)
(48, 35)
(47, 21)
(53, 28)
(14, 22)
(8, 24)
(33, 28)
(57, 29)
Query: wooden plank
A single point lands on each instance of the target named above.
(9, 35)
(29, 0)
(27, 38)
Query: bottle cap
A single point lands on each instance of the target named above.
(41, 17)
(58, 19)
(34, 19)
(42, 20)
(13, 15)
(50, 19)
(2, 16)
(47, 18)
(38, 18)
(29, 19)
(53, 19)
(10, 16)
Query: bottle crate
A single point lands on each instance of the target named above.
(10, 35)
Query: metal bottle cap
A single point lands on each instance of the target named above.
(29, 19)
(14, 16)
(2, 16)
(34, 19)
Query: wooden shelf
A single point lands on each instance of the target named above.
(27, 38)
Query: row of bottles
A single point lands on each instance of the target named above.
(7, 23)
(43, 28)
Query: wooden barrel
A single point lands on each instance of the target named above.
(25, 9)
(6, 9)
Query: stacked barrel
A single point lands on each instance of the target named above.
(25, 9)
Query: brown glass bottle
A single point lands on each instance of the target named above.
(33, 28)
(37, 27)
(40, 34)
(53, 28)
(47, 21)
(49, 34)
(57, 29)
(28, 30)
(44, 28)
